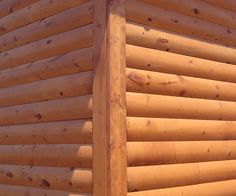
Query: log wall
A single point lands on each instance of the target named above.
(46, 97)
(181, 100)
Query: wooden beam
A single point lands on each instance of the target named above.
(109, 101)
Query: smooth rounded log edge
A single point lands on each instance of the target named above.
(57, 110)
(227, 187)
(150, 37)
(161, 61)
(158, 153)
(11, 190)
(56, 178)
(198, 9)
(177, 85)
(161, 129)
(167, 176)
(64, 64)
(55, 45)
(35, 12)
(11, 6)
(78, 84)
(158, 106)
(61, 132)
(59, 23)
(165, 19)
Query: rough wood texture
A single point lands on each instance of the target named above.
(48, 47)
(34, 12)
(65, 64)
(146, 36)
(177, 85)
(154, 16)
(64, 21)
(198, 9)
(227, 187)
(160, 129)
(149, 153)
(109, 102)
(65, 109)
(64, 132)
(144, 105)
(10, 6)
(69, 155)
(67, 179)
(165, 176)
(160, 61)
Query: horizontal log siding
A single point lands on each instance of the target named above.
(46, 89)
(181, 101)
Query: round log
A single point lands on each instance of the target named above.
(160, 61)
(176, 85)
(160, 129)
(150, 37)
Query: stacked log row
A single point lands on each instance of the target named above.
(46, 97)
(181, 101)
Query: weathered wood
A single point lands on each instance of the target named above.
(10, 190)
(144, 105)
(67, 179)
(65, 64)
(146, 36)
(69, 155)
(227, 4)
(160, 129)
(64, 21)
(65, 109)
(109, 102)
(10, 6)
(227, 187)
(56, 88)
(48, 47)
(198, 9)
(160, 61)
(177, 85)
(155, 153)
(34, 12)
(165, 176)
(64, 132)
(157, 17)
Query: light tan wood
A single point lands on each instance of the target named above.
(149, 37)
(109, 101)
(64, 132)
(155, 16)
(65, 64)
(48, 47)
(10, 190)
(65, 109)
(160, 129)
(144, 105)
(155, 153)
(160, 61)
(56, 88)
(198, 9)
(69, 155)
(178, 85)
(215, 188)
(35, 12)
(165, 176)
(10, 6)
(226, 4)
(68, 179)
(64, 21)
